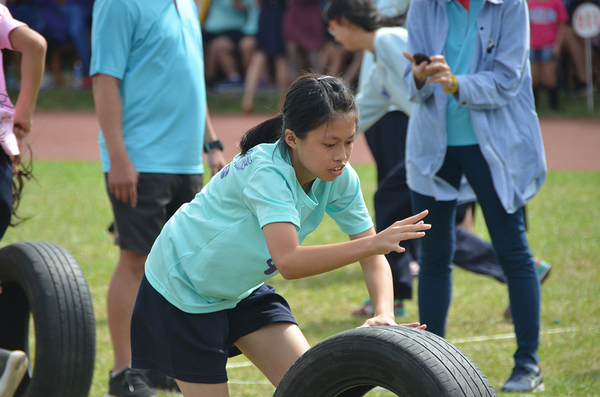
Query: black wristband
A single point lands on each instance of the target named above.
(218, 144)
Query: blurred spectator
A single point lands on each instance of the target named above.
(77, 17)
(304, 33)
(62, 23)
(269, 46)
(547, 20)
(229, 41)
(335, 60)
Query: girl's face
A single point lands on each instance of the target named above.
(325, 150)
(342, 32)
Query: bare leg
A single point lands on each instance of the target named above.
(353, 70)
(210, 65)
(293, 56)
(255, 69)
(122, 293)
(313, 61)
(203, 389)
(550, 79)
(576, 49)
(282, 77)
(246, 47)
(536, 73)
(550, 74)
(274, 348)
(224, 56)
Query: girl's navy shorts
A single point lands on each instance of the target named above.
(195, 347)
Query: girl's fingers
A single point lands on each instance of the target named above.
(414, 218)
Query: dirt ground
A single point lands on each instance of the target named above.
(570, 144)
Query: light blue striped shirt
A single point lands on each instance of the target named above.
(497, 92)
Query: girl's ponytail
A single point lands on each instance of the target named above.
(268, 131)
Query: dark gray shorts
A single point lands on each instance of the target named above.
(159, 196)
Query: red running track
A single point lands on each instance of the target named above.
(570, 144)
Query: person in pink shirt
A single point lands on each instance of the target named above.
(15, 124)
(15, 121)
(547, 19)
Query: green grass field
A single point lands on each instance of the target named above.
(69, 207)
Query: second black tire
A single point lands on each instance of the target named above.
(43, 281)
(406, 361)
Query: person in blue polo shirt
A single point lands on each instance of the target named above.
(474, 115)
(147, 69)
(203, 297)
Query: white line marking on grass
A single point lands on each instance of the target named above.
(511, 336)
(239, 365)
(457, 341)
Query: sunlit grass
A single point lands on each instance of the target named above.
(69, 207)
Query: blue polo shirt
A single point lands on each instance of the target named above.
(212, 253)
(458, 51)
(155, 48)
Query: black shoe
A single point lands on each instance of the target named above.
(130, 382)
(158, 380)
(13, 365)
(527, 378)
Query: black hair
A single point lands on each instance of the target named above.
(311, 101)
(24, 174)
(363, 13)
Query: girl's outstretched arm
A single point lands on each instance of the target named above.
(295, 261)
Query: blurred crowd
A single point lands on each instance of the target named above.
(286, 37)
(66, 26)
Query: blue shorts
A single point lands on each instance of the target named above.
(541, 55)
(195, 347)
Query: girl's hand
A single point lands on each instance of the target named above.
(381, 319)
(389, 239)
(414, 325)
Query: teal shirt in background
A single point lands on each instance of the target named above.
(212, 253)
(223, 16)
(458, 51)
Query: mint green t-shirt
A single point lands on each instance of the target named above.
(212, 253)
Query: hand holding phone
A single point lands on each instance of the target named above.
(419, 58)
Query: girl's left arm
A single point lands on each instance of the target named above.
(33, 47)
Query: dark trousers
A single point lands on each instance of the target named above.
(507, 232)
(392, 202)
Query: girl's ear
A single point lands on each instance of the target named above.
(291, 139)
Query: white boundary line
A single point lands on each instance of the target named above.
(457, 341)
(511, 336)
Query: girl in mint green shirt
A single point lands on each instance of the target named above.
(203, 296)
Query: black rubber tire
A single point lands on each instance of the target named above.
(42, 280)
(406, 361)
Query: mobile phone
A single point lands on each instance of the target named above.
(421, 58)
